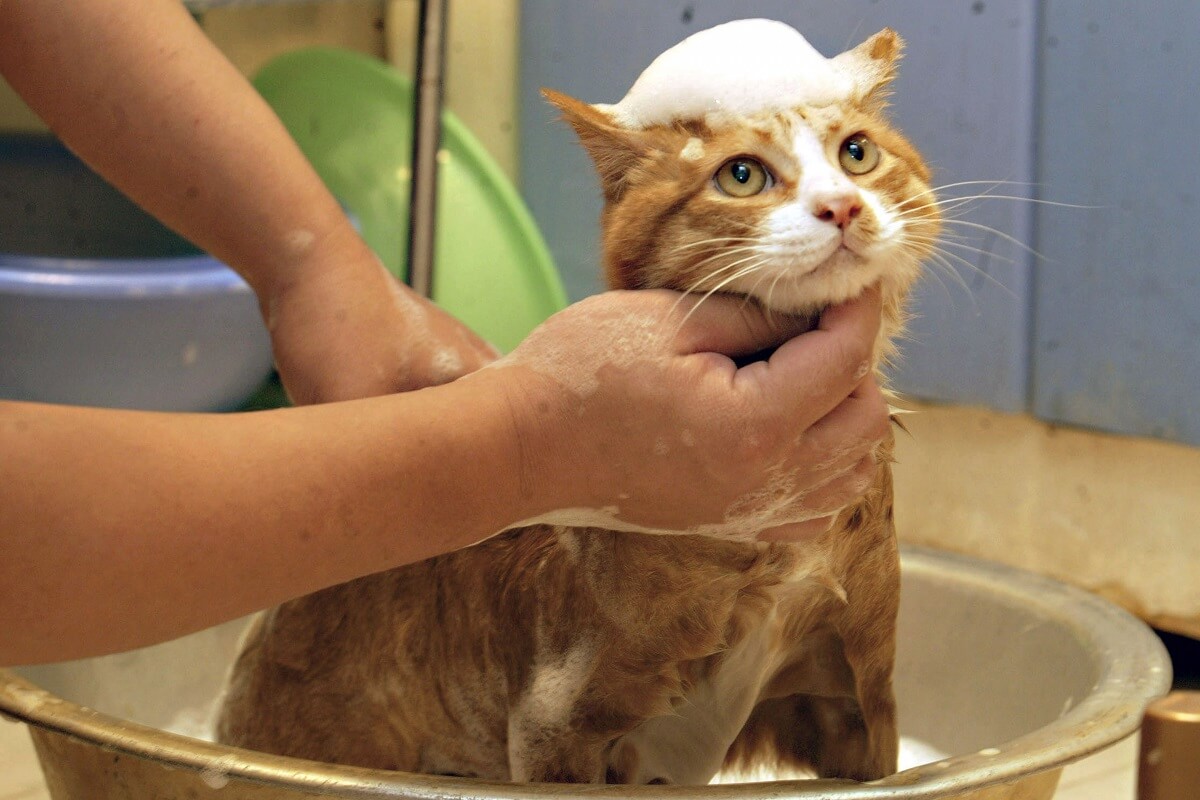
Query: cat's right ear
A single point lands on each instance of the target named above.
(614, 150)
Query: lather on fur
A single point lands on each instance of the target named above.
(580, 654)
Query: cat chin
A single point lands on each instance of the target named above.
(809, 291)
(810, 298)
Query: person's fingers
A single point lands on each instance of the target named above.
(731, 326)
(814, 372)
(843, 487)
(857, 424)
(828, 501)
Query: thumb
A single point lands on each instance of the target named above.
(733, 326)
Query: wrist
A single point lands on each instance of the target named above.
(333, 257)
(542, 454)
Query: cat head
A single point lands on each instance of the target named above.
(743, 161)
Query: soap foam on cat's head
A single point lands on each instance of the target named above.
(742, 67)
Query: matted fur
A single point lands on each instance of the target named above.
(557, 654)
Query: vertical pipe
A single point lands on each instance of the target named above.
(427, 137)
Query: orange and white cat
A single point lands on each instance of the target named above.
(552, 653)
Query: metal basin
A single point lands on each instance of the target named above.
(1013, 674)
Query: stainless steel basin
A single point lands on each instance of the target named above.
(1013, 674)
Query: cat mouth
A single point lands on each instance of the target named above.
(843, 257)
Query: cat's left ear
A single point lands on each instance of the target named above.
(614, 149)
(873, 65)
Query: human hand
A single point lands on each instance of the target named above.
(664, 435)
(351, 330)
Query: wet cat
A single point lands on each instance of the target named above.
(580, 654)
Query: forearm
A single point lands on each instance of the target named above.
(123, 528)
(140, 93)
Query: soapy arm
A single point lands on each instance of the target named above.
(124, 528)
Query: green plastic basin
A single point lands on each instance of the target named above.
(352, 117)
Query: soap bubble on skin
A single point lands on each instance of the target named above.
(555, 350)
(299, 241)
(447, 364)
(777, 503)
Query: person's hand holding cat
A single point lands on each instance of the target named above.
(668, 436)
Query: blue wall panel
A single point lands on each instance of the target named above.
(1118, 299)
(965, 96)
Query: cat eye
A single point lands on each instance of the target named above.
(742, 177)
(859, 155)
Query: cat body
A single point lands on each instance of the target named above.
(553, 653)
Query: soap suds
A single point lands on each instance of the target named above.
(743, 67)
(556, 349)
(693, 150)
(913, 753)
(916, 753)
(777, 503)
(299, 241)
(447, 364)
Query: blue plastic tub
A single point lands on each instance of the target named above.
(102, 305)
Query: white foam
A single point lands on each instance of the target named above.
(299, 241)
(742, 67)
(195, 722)
(563, 348)
(916, 753)
(913, 753)
(777, 503)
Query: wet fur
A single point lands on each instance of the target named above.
(555, 654)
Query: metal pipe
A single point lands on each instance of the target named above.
(427, 137)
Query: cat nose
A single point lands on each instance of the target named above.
(840, 209)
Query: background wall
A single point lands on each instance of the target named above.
(1118, 297)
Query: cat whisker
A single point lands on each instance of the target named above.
(935, 190)
(722, 284)
(714, 273)
(1001, 234)
(708, 276)
(945, 260)
(715, 240)
(940, 265)
(937, 243)
(952, 203)
(771, 290)
(735, 251)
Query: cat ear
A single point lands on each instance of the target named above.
(873, 64)
(614, 150)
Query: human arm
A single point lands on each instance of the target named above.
(139, 92)
(123, 528)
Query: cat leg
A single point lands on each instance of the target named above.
(820, 736)
(547, 754)
(867, 627)
(832, 710)
(546, 742)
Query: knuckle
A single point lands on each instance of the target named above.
(853, 354)
(879, 426)
(862, 477)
